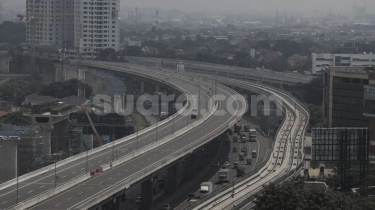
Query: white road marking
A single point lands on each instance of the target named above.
(30, 191)
(64, 176)
(42, 186)
(4, 202)
(82, 168)
(69, 198)
(91, 188)
(107, 158)
(118, 174)
(73, 172)
(109, 178)
(80, 193)
(91, 164)
(57, 204)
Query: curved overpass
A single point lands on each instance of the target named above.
(284, 162)
(71, 169)
(131, 170)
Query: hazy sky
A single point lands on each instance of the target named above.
(338, 6)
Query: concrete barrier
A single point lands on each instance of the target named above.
(50, 193)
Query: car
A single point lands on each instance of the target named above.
(226, 163)
(234, 149)
(224, 167)
(166, 206)
(220, 160)
(138, 200)
(217, 163)
(243, 149)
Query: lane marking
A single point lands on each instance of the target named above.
(30, 191)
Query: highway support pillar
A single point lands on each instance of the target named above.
(172, 179)
(156, 88)
(142, 86)
(190, 167)
(147, 194)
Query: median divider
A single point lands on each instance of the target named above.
(52, 192)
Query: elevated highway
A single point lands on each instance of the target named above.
(285, 161)
(72, 169)
(228, 71)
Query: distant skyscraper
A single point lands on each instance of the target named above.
(88, 26)
(1, 13)
(49, 22)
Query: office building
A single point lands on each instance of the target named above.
(343, 89)
(87, 26)
(320, 61)
(96, 26)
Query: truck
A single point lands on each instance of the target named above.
(240, 171)
(237, 127)
(253, 135)
(235, 137)
(206, 188)
(241, 156)
(246, 128)
(223, 175)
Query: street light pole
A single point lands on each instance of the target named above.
(55, 172)
(156, 132)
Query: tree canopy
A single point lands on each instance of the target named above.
(15, 90)
(296, 196)
(16, 118)
(64, 89)
(12, 32)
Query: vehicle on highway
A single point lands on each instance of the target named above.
(254, 154)
(223, 175)
(237, 127)
(227, 159)
(206, 188)
(246, 128)
(234, 149)
(167, 76)
(226, 163)
(220, 160)
(243, 149)
(248, 161)
(166, 206)
(216, 164)
(235, 164)
(194, 112)
(253, 135)
(193, 196)
(138, 200)
(241, 156)
(243, 138)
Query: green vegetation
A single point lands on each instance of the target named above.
(296, 196)
(15, 90)
(12, 32)
(16, 118)
(64, 89)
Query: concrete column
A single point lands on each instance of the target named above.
(172, 179)
(142, 86)
(156, 88)
(147, 194)
(129, 85)
(46, 131)
(189, 167)
(8, 158)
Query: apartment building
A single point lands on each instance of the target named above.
(86, 26)
(50, 22)
(343, 100)
(320, 61)
(96, 26)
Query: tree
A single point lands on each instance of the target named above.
(316, 116)
(132, 51)
(16, 118)
(108, 54)
(12, 32)
(15, 90)
(280, 64)
(264, 44)
(296, 196)
(64, 89)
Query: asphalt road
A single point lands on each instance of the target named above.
(76, 195)
(46, 181)
(261, 146)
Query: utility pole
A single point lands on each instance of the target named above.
(156, 131)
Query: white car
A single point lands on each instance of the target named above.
(166, 206)
(226, 163)
(217, 164)
(138, 200)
